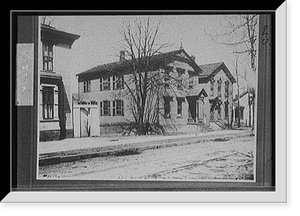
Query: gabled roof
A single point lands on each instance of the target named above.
(210, 70)
(197, 93)
(125, 66)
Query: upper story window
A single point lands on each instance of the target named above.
(226, 89)
(191, 83)
(180, 84)
(104, 83)
(87, 86)
(47, 57)
(212, 82)
(219, 87)
(118, 81)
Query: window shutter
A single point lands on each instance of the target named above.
(89, 86)
(114, 108)
(101, 108)
(114, 82)
(109, 108)
(101, 84)
(122, 107)
(108, 81)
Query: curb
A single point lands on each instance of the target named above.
(127, 149)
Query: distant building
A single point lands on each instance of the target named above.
(244, 110)
(205, 102)
(55, 108)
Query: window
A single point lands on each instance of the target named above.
(167, 80)
(48, 102)
(219, 87)
(212, 87)
(179, 84)
(179, 107)
(118, 108)
(226, 109)
(104, 83)
(191, 83)
(105, 108)
(118, 81)
(226, 89)
(167, 107)
(87, 86)
(47, 57)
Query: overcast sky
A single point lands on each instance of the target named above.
(100, 38)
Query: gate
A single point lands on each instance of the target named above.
(86, 120)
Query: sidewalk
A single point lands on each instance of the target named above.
(72, 149)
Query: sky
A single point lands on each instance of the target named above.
(100, 38)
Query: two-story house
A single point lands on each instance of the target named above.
(205, 95)
(55, 99)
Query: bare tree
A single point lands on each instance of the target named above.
(240, 33)
(145, 83)
(47, 20)
(238, 92)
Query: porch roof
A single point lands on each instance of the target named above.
(197, 92)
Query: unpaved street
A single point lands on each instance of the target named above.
(219, 159)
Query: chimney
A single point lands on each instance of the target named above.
(193, 57)
(122, 55)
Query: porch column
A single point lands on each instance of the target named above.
(206, 105)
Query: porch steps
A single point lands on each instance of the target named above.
(205, 128)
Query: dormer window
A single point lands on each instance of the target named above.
(47, 57)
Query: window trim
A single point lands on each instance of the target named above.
(46, 59)
(105, 83)
(103, 109)
(86, 86)
(49, 104)
(118, 107)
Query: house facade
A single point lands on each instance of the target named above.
(203, 100)
(243, 109)
(55, 99)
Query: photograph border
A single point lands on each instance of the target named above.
(26, 141)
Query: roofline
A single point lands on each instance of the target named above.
(90, 72)
(217, 70)
(57, 37)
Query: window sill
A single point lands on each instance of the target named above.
(49, 120)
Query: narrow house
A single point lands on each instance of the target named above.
(244, 110)
(55, 108)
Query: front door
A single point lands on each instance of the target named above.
(192, 109)
(201, 109)
(84, 122)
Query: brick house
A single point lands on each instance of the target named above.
(55, 99)
(204, 101)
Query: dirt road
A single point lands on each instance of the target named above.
(230, 159)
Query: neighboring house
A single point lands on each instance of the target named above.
(205, 98)
(55, 108)
(245, 110)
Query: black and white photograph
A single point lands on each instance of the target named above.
(148, 97)
(143, 101)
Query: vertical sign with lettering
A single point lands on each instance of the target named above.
(24, 78)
